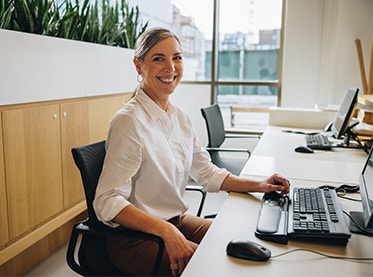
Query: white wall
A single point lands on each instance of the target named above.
(320, 57)
(37, 68)
(192, 98)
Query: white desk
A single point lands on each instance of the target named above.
(238, 215)
(275, 153)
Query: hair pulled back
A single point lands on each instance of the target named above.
(149, 38)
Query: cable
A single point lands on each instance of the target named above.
(322, 254)
(347, 198)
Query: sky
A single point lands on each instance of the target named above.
(233, 12)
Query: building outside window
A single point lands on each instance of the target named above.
(238, 53)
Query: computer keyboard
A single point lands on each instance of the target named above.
(313, 214)
(318, 142)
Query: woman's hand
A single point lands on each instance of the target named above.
(178, 248)
(275, 182)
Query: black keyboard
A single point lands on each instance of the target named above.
(318, 142)
(313, 214)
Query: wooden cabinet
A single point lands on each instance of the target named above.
(40, 186)
(4, 235)
(74, 132)
(100, 114)
(33, 166)
(83, 122)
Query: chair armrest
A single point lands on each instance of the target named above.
(105, 231)
(241, 136)
(203, 193)
(217, 149)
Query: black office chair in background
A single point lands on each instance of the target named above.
(92, 258)
(216, 137)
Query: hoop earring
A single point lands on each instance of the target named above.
(139, 78)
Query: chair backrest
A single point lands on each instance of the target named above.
(92, 255)
(215, 125)
(89, 159)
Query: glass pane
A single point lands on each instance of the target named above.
(248, 96)
(192, 25)
(246, 107)
(249, 40)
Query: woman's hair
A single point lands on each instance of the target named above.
(149, 38)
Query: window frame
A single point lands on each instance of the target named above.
(215, 82)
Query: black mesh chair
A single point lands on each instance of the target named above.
(216, 137)
(92, 258)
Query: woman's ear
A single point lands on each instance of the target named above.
(137, 65)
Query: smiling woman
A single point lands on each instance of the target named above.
(151, 152)
(161, 67)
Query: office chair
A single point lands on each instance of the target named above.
(92, 258)
(216, 137)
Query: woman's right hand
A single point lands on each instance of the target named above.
(178, 248)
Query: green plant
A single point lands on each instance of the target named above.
(5, 12)
(131, 23)
(116, 25)
(33, 16)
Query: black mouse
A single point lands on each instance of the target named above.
(248, 250)
(303, 149)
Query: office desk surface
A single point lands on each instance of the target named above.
(239, 213)
(237, 219)
(275, 153)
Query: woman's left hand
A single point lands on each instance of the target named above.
(275, 182)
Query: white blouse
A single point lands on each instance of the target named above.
(150, 155)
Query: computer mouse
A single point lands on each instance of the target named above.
(303, 149)
(248, 250)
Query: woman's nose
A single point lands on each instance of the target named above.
(169, 66)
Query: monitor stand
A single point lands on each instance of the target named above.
(347, 137)
(358, 217)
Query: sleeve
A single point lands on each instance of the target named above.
(122, 161)
(203, 171)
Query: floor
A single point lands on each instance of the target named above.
(56, 265)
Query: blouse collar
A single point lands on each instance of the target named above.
(151, 107)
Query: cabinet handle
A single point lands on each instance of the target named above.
(64, 114)
(55, 116)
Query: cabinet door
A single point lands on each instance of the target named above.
(83, 122)
(4, 235)
(101, 112)
(74, 132)
(32, 149)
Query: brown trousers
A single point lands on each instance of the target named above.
(137, 258)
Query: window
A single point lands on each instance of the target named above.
(248, 60)
(239, 57)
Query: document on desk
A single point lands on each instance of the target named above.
(303, 169)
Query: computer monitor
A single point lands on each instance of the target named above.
(364, 219)
(343, 117)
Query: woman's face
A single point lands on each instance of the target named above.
(161, 69)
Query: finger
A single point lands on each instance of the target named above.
(280, 180)
(182, 265)
(174, 269)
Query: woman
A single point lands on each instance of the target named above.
(151, 152)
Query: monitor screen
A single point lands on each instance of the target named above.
(345, 112)
(365, 218)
